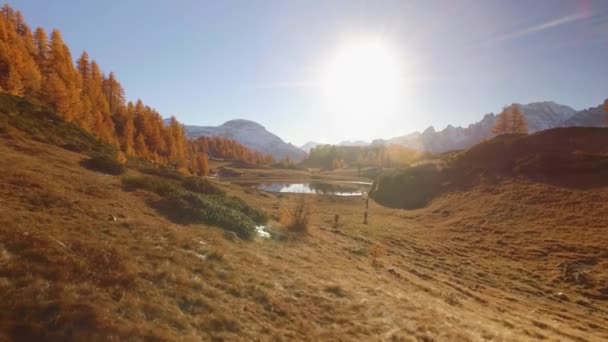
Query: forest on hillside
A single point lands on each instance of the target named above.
(332, 157)
(40, 68)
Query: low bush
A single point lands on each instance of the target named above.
(157, 185)
(160, 171)
(297, 217)
(105, 164)
(228, 212)
(410, 188)
(192, 208)
(202, 186)
(258, 216)
(375, 252)
(48, 199)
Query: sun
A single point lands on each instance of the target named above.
(363, 78)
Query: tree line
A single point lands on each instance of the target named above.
(220, 147)
(332, 157)
(40, 67)
(511, 120)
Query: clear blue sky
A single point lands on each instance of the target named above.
(210, 61)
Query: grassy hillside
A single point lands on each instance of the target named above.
(85, 255)
(571, 157)
(23, 119)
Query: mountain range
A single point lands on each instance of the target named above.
(539, 116)
(252, 135)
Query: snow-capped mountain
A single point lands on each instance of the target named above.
(252, 135)
(539, 116)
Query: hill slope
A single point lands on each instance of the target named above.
(252, 135)
(591, 117)
(84, 258)
(574, 157)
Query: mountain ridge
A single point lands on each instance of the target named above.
(252, 135)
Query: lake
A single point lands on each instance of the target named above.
(319, 188)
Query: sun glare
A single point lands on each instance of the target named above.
(363, 78)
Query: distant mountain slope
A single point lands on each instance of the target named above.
(309, 146)
(539, 115)
(591, 117)
(353, 143)
(252, 135)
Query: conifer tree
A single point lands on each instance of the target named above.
(115, 94)
(518, 120)
(41, 45)
(502, 122)
(128, 136)
(141, 149)
(35, 65)
(14, 85)
(202, 164)
(63, 85)
(178, 154)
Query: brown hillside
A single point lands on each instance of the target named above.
(502, 261)
(575, 157)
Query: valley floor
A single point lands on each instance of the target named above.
(503, 262)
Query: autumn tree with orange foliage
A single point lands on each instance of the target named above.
(41, 68)
(511, 120)
(202, 162)
(223, 148)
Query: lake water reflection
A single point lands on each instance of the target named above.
(318, 188)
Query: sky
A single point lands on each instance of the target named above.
(435, 63)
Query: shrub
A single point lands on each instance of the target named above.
(48, 199)
(258, 216)
(410, 188)
(190, 207)
(161, 171)
(157, 185)
(228, 212)
(375, 252)
(106, 164)
(202, 186)
(297, 217)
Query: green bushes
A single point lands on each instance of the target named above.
(106, 164)
(158, 170)
(207, 205)
(157, 185)
(410, 188)
(201, 186)
(189, 207)
(256, 215)
(42, 124)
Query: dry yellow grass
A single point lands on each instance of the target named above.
(507, 262)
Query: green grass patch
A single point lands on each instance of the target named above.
(162, 187)
(202, 186)
(185, 206)
(42, 124)
(156, 170)
(106, 164)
